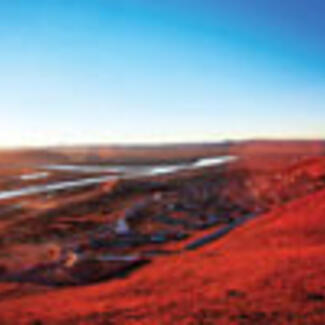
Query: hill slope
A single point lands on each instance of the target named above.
(271, 270)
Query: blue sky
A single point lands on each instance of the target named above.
(129, 71)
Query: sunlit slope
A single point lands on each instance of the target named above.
(270, 270)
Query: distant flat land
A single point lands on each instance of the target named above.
(155, 153)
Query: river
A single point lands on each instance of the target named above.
(124, 172)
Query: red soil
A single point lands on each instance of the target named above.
(269, 271)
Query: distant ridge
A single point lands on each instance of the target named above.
(163, 153)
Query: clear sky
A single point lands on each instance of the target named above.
(126, 71)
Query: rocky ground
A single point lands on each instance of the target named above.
(118, 253)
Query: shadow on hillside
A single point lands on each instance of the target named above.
(84, 273)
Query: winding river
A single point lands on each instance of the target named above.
(125, 172)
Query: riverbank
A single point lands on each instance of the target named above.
(166, 214)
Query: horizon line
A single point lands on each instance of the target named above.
(159, 144)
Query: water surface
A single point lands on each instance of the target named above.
(125, 172)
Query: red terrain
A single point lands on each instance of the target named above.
(271, 270)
